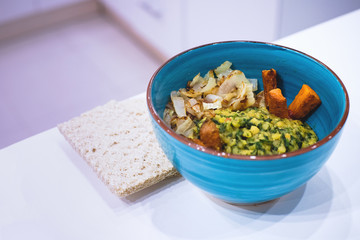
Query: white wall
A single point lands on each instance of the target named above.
(10, 10)
(15, 9)
(297, 15)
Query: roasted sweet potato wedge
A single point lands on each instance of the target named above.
(269, 83)
(209, 135)
(304, 103)
(277, 103)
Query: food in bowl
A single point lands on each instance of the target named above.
(222, 111)
(254, 131)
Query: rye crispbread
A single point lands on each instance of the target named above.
(118, 142)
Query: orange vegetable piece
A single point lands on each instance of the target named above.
(305, 102)
(277, 103)
(269, 83)
(210, 135)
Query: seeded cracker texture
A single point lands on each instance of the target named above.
(118, 142)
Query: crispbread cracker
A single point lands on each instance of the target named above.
(118, 142)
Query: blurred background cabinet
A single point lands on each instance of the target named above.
(159, 22)
(172, 26)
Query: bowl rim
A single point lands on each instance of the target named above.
(210, 151)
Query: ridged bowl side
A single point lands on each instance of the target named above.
(243, 181)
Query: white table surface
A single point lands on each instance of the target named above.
(48, 192)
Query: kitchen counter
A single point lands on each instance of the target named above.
(49, 192)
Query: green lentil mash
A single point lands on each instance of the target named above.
(255, 131)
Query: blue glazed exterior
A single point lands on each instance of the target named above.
(250, 179)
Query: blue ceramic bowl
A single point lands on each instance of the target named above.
(250, 179)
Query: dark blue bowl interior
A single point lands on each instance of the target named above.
(293, 67)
